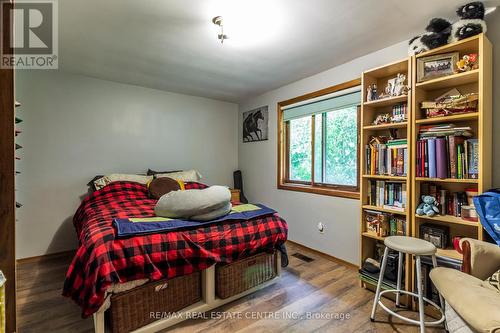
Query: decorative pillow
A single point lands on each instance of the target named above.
(493, 282)
(160, 186)
(185, 176)
(117, 177)
(91, 182)
(214, 214)
(153, 172)
(185, 204)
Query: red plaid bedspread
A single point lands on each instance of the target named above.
(102, 259)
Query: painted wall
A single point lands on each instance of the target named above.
(77, 127)
(303, 211)
(494, 37)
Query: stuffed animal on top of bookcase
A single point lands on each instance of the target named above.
(440, 31)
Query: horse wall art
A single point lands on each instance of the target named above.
(255, 124)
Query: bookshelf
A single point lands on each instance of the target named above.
(475, 81)
(369, 111)
(478, 81)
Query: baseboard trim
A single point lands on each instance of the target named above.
(325, 255)
(72, 253)
(35, 259)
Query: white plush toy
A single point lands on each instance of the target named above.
(200, 205)
(471, 22)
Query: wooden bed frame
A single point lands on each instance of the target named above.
(209, 301)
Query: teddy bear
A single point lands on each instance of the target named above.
(440, 31)
(428, 206)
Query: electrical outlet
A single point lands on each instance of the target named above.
(321, 227)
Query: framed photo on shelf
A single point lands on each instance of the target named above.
(436, 66)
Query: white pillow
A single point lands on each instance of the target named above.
(185, 176)
(189, 203)
(223, 211)
(117, 177)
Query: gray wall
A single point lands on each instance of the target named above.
(77, 127)
(303, 211)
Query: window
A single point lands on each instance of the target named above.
(318, 142)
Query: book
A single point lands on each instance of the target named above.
(459, 162)
(441, 160)
(473, 159)
(432, 158)
(426, 159)
(399, 209)
(453, 142)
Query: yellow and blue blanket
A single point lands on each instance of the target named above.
(147, 225)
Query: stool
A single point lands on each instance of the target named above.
(416, 247)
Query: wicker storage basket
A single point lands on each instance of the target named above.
(236, 277)
(132, 309)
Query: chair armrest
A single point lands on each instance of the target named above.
(481, 259)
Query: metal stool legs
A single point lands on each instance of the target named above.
(420, 295)
(421, 299)
(400, 272)
(379, 283)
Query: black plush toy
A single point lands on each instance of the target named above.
(471, 22)
(440, 31)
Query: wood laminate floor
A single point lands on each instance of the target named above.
(327, 289)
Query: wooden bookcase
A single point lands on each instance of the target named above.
(478, 81)
(369, 110)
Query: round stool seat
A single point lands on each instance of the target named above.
(410, 245)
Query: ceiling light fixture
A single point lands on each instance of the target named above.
(218, 21)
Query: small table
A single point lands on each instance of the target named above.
(235, 195)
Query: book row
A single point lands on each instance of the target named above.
(384, 224)
(387, 158)
(446, 151)
(450, 203)
(388, 195)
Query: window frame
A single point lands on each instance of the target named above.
(284, 182)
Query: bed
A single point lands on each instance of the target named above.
(104, 263)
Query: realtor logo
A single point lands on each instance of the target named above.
(33, 40)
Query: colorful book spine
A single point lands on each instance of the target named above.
(390, 195)
(459, 162)
(387, 159)
(441, 160)
(473, 159)
(432, 158)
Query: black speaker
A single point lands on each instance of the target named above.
(238, 185)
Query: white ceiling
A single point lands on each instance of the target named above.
(171, 44)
